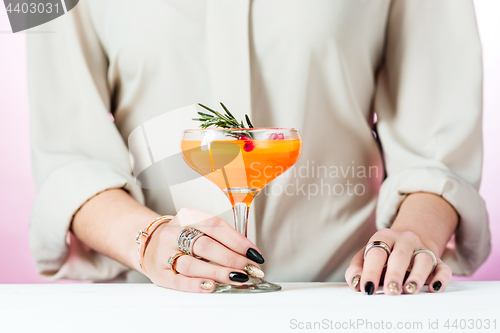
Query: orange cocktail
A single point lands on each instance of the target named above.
(241, 167)
(241, 162)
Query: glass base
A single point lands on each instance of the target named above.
(251, 286)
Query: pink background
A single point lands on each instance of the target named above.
(16, 187)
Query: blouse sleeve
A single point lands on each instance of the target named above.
(429, 103)
(77, 150)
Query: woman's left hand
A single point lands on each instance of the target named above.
(365, 274)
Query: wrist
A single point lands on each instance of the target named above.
(430, 217)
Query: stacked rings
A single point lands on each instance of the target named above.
(380, 244)
(186, 239)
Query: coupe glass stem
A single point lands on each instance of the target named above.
(240, 211)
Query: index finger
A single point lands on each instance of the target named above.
(221, 231)
(353, 272)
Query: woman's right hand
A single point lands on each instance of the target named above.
(236, 256)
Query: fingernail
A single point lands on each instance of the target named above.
(252, 254)
(355, 281)
(254, 271)
(238, 277)
(394, 288)
(207, 285)
(369, 288)
(437, 285)
(411, 287)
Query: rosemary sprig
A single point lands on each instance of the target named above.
(220, 120)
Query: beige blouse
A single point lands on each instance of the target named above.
(324, 67)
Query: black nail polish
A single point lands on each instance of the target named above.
(369, 288)
(238, 277)
(437, 285)
(252, 254)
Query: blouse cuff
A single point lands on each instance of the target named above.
(472, 236)
(58, 254)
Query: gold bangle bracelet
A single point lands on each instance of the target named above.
(143, 236)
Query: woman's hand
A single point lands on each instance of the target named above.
(424, 221)
(365, 274)
(237, 256)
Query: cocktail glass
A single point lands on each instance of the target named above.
(241, 162)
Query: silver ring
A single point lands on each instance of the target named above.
(186, 239)
(380, 244)
(434, 260)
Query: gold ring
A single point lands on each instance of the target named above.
(173, 260)
(380, 244)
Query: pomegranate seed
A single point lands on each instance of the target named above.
(273, 136)
(281, 136)
(248, 146)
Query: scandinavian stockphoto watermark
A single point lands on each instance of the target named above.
(24, 14)
(310, 180)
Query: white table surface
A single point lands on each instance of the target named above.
(147, 308)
